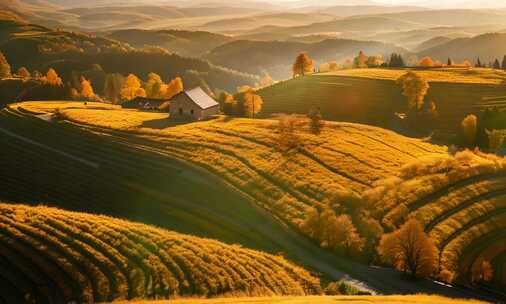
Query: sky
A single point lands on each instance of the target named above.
(425, 3)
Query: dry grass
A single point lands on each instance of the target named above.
(109, 259)
(451, 75)
(458, 197)
(414, 299)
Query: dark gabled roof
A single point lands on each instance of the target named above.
(200, 98)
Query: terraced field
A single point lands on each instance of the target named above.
(461, 201)
(61, 256)
(372, 99)
(459, 198)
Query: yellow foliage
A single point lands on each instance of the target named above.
(469, 128)
(87, 89)
(132, 88)
(175, 87)
(414, 87)
(52, 78)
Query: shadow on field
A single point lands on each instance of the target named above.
(162, 123)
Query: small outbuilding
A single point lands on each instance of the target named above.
(193, 104)
(144, 103)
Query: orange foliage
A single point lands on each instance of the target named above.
(175, 87)
(303, 65)
(427, 62)
(409, 249)
(52, 78)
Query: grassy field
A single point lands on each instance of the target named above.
(359, 170)
(85, 258)
(371, 96)
(416, 299)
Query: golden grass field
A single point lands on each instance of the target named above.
(89, 258)
(447, 75)
(414, 299)
(372, 174)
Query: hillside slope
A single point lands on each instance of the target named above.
(371, 96)
(56, 255)
(487, 47)
(276, 57)
(39, 48)
(368, 173)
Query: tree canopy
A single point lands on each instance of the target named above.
(414, 87)
(302, 65)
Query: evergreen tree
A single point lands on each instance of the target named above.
(503, 66)
(5, 68)
(478, 63)
(450, 62)
(497, 65)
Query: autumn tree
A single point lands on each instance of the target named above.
(426, 62)
(288, 140)
(315, 120)
(414, 87)
(174, 87)
(469, 129)
(86, 89)
(333, 66)
(409, 249)
(112, 87)
(155, 87)
(303, 65)
(132, 88)
(23, 72)
(332, 231)
(228, 103)
(52, 78)
(252, 103)
(360, 61)
(5, 68)
(495, 139)
(482, 272)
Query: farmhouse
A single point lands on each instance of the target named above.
(193, 104)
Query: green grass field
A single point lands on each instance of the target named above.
(459, 198)
(371, 96)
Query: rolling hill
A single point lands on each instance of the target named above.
(184, 43)
(348, 167)
(487, 47)
(276, 57)
(61, 256)
(371, 96)
(39, 48)
(366, 172)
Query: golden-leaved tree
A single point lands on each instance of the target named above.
(469, 129)
(252, 103)
(414, 87)
(86, 89)
(409, 249)
(175, 87)
(303, 65)
(5, 68)
(52, 78)
(155, 87)
(132, 88)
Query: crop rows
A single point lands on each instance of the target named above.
(90, 258)
(461, 200)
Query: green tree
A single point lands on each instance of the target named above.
(5, 68)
